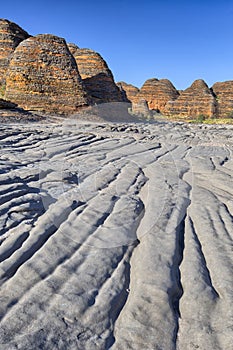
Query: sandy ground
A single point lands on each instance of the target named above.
(116, 236)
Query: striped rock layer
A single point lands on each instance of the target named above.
(43, 75)
(224, 96)
(129, 92)
(157, 93)
(97, 77)
(198, 99)
(10, 37)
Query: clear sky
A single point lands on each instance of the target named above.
(178, 40)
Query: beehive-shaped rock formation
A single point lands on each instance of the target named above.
(10, 37)
(157, 93)
(129, 92)
(224, 96)
(97, 77)
(43, 75)
(198, 99)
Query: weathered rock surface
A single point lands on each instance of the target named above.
(129, 92)
(72, 47)
(18, 115)
(6, 104)
(97, 77)
(140, 107)
(116, 236)
(10, 36)
(224, 97)
(198, 99)
(43, 75)
(157, 93)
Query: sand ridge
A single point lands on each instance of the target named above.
(116, 236)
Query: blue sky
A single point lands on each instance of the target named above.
(178, 40)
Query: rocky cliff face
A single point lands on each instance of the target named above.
(157, 93)
(97, 77)
(10, 37)
(129, 92)
(224, 96)
(43, 75)
(198, 99)
(72, 47)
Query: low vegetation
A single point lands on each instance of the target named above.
(200, 119)
(2, 90)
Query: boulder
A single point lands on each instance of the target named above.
(224, 96)
(7, 104)
(157, 93)
(97, 77)
(129, 92)
(197, 100)
(140, 108)
(43, 75)
(10, 37)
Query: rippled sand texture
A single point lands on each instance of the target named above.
(116, 236)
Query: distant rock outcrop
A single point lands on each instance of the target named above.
(157, 93)
(10, 37)
(140, 108)
(129, 92)
(224, 96)
(43, 75)
(198, 99)
(97, 77)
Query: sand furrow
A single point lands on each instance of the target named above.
(116, 236)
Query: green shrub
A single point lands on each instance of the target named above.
(201, 118)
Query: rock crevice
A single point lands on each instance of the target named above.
(97, 77)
